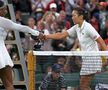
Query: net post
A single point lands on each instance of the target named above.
(31, 64)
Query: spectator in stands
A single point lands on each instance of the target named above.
(63, 23)
(18, 16)
(53, 81)
(61, 61)
(104, 33)
(23, 6)
(29, 41)
(58, 45)
(88, 39)
(41, 26)
(62, 19)
(60, 5)
(38, 9)
(69, 5)
(48, 19)
(94, 20)
(31, 22)
(53, 9)
(6, 63)
(103, 15)
(93, 7)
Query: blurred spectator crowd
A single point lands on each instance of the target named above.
(51, 16)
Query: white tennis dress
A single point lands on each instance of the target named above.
(87, 36)
(5, 24)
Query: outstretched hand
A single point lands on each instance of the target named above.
(42, 37)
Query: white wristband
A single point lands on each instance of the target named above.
(35, 33)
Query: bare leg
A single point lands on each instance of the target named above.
(6, 77)
(85, 82)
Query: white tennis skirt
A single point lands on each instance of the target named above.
(91, 65)
(5, 58)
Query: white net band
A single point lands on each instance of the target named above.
(71, 53)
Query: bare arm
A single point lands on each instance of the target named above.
(76, 45)
(57, 35)
(102, 44)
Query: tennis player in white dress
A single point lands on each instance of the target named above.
(88, 39)
(6, 63)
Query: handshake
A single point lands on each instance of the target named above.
(42, 36)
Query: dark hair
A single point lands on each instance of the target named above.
(81, 11)
(56, 68)
(2, 4)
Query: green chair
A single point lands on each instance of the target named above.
(38, 69)
(72, 79)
